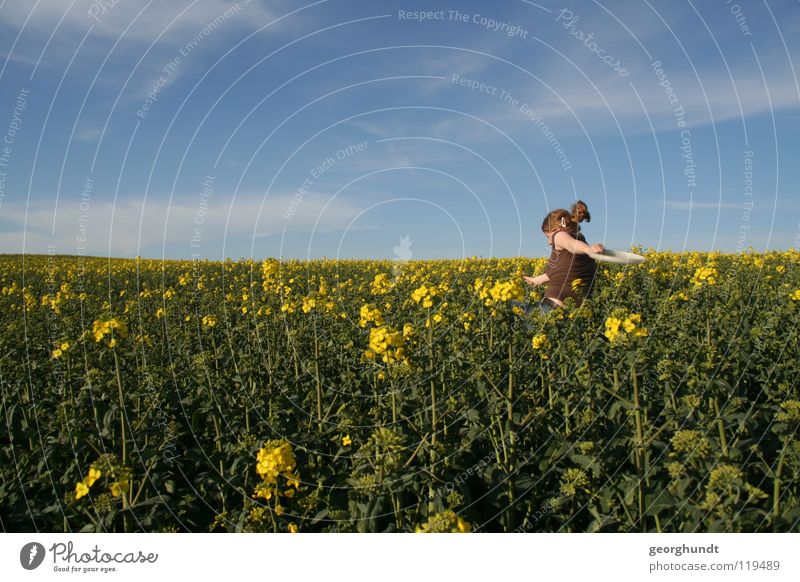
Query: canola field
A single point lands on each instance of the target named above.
(375, 396)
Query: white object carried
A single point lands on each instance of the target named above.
(619, 257)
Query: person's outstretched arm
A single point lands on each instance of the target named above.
(564, 241)
(539, 280)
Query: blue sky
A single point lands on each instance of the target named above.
(332, 129)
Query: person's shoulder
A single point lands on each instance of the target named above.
(564, 233)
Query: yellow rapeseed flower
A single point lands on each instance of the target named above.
(504, 291)
(381, 284)
(679, 296)
(612, 328)
(447, 521)
(101, 328)
(118, 488)
(94, 475)
(275, 459)
(425, 295)
(705, 276)
(620, 326)
(631, 322)
(80, 490)
(369, 314)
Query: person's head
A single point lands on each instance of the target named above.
(559, 219)
(580, 212)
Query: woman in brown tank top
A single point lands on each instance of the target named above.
(570, 272)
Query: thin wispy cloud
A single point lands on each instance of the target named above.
(137, 21)
(131, 225)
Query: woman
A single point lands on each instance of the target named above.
(570, 272)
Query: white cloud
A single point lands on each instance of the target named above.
(88, 135)
(130, 228)
(110, 18)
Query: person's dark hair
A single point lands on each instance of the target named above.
(580, 212)
(562, 219)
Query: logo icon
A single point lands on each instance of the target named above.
(31, 555)
(402, 251)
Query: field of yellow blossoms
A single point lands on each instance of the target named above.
(371, 396)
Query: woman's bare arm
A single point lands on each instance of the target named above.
(539, 280)
(564, 241)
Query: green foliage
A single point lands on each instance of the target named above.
(667, 402)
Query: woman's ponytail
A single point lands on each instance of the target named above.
(580, 212)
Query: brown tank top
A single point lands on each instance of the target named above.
(564, 268)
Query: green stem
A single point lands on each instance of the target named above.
(723, 441)
(120, 394)
(509, 404)
(639, 448)
(316, 373)
(434, 419)
(776, 485)
(394, 403)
